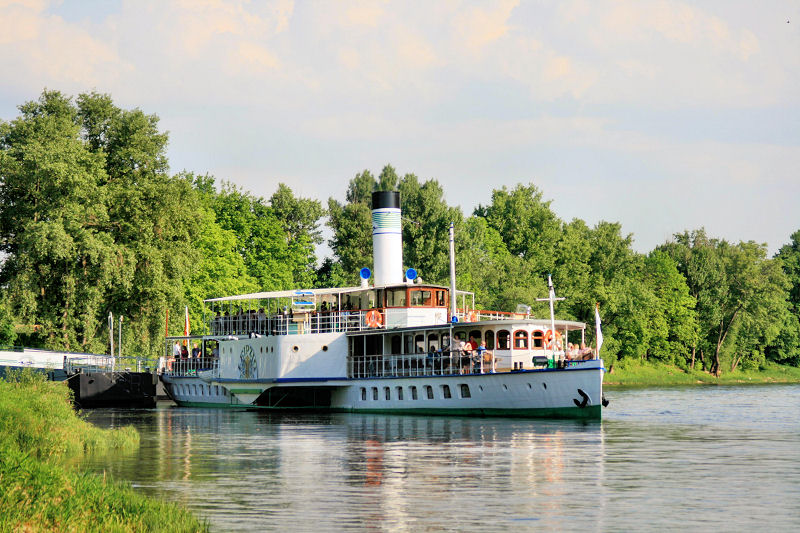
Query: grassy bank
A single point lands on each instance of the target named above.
(39, 435)
(644, 374)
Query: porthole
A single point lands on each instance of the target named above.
(325, 348)
(262, 349)
(295, 348)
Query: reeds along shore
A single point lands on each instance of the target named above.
(40, 434)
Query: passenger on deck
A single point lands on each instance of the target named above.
(486, 357)
(184, 352)
(586, 353)
(195, 351)
(176, 350)
(465, 353)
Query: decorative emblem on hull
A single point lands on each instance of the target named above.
(248, 368)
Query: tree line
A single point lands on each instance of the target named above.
(92, 222)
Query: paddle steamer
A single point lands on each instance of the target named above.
(396, 345)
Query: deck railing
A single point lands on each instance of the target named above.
(294, 323)
(172, 366)
(436, 364)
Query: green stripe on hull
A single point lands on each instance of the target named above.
(592, 412)
(215, 405)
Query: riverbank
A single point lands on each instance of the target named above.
(40, 490)
(644, 374)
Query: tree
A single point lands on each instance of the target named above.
(529, 227)
(299, 218)
(738, 291)
(91, 223)
(53, 215)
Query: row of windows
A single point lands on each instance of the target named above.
(417, 343)
(200, 389)
(387, 392)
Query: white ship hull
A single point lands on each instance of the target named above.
(573, 392)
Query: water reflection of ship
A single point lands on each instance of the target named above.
(387, 469)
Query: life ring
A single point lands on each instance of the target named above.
(472, 316)
(374, 318)
(548, 339)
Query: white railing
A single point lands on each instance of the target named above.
(106, 363)
(404, 365)
(172, 366)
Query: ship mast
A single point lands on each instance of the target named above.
(552, 299)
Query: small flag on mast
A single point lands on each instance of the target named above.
(186, 326)
(598, 332)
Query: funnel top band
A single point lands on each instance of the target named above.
(385, 199)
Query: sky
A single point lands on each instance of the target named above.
(662, 115)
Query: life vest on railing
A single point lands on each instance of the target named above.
(373, 318)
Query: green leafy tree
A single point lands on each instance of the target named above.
(299, 218)
(92, 223)
(738, 291)
(53, 217)
(786, 346)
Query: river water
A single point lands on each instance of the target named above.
(699, 458)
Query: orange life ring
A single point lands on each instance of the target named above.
(548, 339)
(374, 318)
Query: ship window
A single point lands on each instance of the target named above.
(396, 297)
(433, 342)
(465, 391)
(399, 393)
(445, 340)
(489, 338)
(363, 394)
(538, 339)
(413, 393)
(441, 298)
(503, 340)
(520, 339)
(396, 344)
(446, 391)
(429, 392)
(374, 393)
(419, 343)
(387, 392)
(408, 344)
(476, 334)
(421, 297)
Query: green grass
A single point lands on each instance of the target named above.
(40, 435)
(645, 374)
